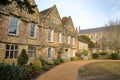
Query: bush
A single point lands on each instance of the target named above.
(43, 61)
(85, 52)
(46, 67)
(95, 56)
(37, 65)
(114, 56)
(75, 58)
(58, 61)
(103, 53)
(9, 72)
(50, 62)
(23, 58)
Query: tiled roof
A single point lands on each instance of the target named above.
(45, 11)
(93, 30)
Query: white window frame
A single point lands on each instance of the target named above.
(73, 41)
(34, 31)
(11, 23)
(68, 39)
(59, 38)
(32, 51)
(50, 35)
(12, 48)
(49, 53)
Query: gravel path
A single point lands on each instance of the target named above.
(67, 71)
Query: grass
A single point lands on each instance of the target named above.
(100, 71)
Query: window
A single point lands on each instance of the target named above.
(73, 41)
(49, 53)
(54, 20)
(32, 30)
(68, 39)
(32, 51)
(59, 37)
(13, 26)
(50, 35)
(11, 51)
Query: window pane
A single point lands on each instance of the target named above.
(12, 47)
(11, 54)
(7, 54)
(13, 25)
(49, 53)
(7, 47)
(15, 54)
(32, 30)
(16, 47)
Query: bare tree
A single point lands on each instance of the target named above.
(113, 35)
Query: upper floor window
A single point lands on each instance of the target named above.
(49, 53)
(32, 51)
(11, 51)
(59, 37)
(32, 30)
(50, 35)
(13, 26)
(73, 41)
(68, 39)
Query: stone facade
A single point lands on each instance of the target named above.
(40, 34)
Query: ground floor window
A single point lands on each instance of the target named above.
(49, 53)
(11, 51)
(32, 51)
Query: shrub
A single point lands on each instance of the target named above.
(37, 65)
(9, 72)
(95, 56)
(46, 67)
(85, 52)
(103, 53)
(75, 58)
(59, 61)
(72, 58)
(43, 61)
(23, 58)
(114, 56)
(50, 62)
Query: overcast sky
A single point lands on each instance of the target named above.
(85, 13)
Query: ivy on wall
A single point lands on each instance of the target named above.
(22, 4)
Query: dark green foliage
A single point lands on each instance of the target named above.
(4, 2)
(87, 39)
(85, 52)
(43, 61)
(95, 55)
(46, 67)
(57, 61)
(91, 44)
(114, 56)
(23, 58)
(9, 72)
(26, 3)
(72, 58)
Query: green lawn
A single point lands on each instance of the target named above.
(100, 71)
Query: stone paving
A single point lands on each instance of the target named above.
(67, 71)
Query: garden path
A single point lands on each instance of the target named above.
(67, 71)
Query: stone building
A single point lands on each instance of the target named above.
(58, 35)
(39, 33)
(19, 29)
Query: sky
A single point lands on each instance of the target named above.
(85, 13)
